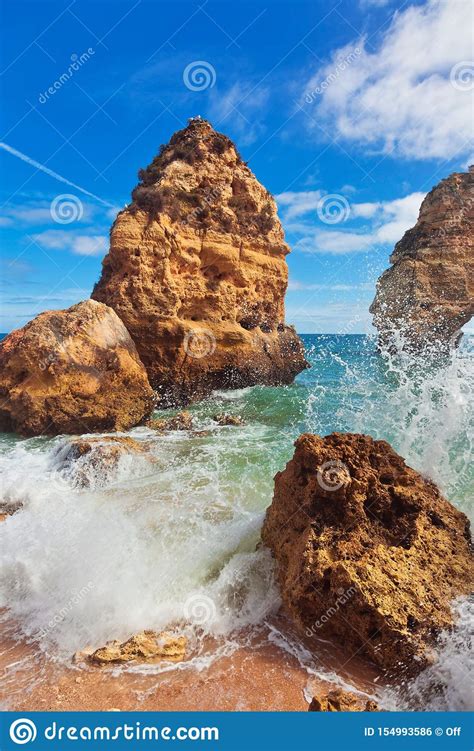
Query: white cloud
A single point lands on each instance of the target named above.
(82, 245)
(401, 98)
(388, 221)
(299, 203)
(239, 108)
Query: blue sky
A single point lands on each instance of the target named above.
(348, 111)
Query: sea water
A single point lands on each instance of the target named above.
(171, 536)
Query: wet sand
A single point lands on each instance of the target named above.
(257, 676)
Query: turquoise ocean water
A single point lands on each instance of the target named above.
(172, 535)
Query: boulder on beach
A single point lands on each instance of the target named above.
(146, 646)
(341, 701)
(197, 272)
(369, 553)
(72, 371)
(427, 295)
(92, 461)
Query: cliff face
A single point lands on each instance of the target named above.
(368, 552)
(197, 272)
(428, 293)
(72, 371)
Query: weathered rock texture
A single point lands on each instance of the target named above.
(428, 292)
(93, 462)
(368, 552)
(197, 272)
(72, 371)
(341, 701)
(146, 646)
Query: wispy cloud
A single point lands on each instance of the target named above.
(412, 97)
(82, 245)
(365, 227)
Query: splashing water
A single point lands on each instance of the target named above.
(171, 538)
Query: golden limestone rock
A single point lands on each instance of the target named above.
(72, 371)
(427, 295)
(146, 646)
(197, 272)
(341, 701)
(369, 553)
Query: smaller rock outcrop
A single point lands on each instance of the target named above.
(146, 646)
(225, 419)
(87, 462)
(427, 295)
(368, 552)
(181, 421)
(341, 701)
(72, 371)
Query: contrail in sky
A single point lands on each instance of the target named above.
(50, 172)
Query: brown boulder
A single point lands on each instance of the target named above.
(225, 419)
(368, 552)
(72, 371)
(197, 272)
(146, 646)
(341, 701)
(87, 460)
(427, 295)
(181, 421)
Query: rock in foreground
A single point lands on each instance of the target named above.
(93, 462)
(368, 552)
(146, 646)
(427, 295)
(72, 371)
(341, 701)
(197, 272)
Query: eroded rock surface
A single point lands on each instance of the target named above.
(197, 272)
(146, 646)
(427, 295)
(368, 551)
(93, 462)
(72, 371)
(341, 701)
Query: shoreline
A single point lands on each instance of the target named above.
(257, 676)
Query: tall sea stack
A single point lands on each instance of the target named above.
(197, 272)
(427, 295)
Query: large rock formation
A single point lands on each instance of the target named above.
(72, 371)
(197, 272)
(368, 552)
(428, 293)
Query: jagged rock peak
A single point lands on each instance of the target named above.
(427, 295)
(197, 271)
